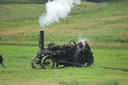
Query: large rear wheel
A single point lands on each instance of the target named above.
(47, 62)
(83, 58)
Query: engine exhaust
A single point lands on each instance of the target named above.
(42, 39)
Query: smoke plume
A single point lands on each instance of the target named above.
(83, 39)
(55, 10)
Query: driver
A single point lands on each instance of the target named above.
(86, 45)
(80, 44)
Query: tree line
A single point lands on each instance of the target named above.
(23, 1)
(98, 0)
(38, 1)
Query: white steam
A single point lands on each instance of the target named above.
(83, 39)
(55, 10)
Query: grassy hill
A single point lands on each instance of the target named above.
(100, 23)
(103, 24)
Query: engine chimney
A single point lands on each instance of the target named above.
(42, 39)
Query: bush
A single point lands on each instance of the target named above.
(98, 0)
(23, 1)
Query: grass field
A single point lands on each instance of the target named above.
(104, 24)
(100, 23)
(19, 71)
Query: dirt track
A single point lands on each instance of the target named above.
(121, 69)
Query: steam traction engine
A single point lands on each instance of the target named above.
(55, 55)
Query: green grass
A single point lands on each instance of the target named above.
(103, 24)
(18, 69)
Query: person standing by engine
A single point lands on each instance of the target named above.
(86, 45)
(80, 44)
(1, 60)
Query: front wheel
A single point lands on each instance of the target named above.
(47, 62)
(35, 63)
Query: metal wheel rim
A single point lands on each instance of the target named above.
(47, 62)
(34, 64)
(81, 57)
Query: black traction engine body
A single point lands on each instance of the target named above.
(67, 55)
